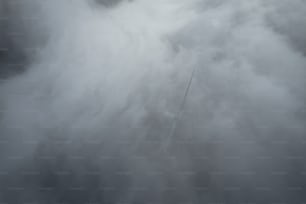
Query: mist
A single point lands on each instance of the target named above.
(164, 101)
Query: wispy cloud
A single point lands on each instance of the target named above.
(96, 103)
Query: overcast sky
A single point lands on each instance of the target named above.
(152, 101)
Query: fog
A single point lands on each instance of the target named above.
(164, 101)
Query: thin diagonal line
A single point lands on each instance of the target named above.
(179, 113)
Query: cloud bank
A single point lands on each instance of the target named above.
(99, 111)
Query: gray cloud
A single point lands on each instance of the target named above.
(97, 115)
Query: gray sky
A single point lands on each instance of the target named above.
(98, 112)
